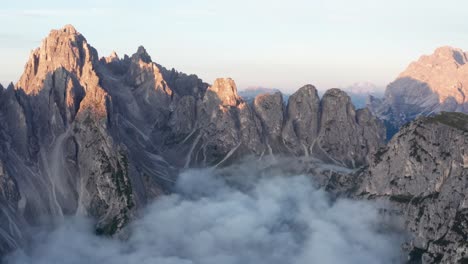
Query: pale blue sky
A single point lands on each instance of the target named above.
(282, 44)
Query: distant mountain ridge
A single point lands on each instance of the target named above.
(249, 93)
(359, 93)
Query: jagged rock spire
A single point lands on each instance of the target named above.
(141, 54)
(65, 61)
(226, 91)
(64, 48)
(69, 29)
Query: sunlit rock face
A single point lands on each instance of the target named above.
(103, 137)
(66, 162)
(434, 83)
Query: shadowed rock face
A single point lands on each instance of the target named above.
(347, 135)
(330, 128)
(270, 110)
(435, 83)
(302, 119)
(423, 172)
(102, 137)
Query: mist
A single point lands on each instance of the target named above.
(214, 217)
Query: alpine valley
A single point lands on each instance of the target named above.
(103, 137)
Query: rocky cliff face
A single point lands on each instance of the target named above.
(330, 128)
(102, 137)
(434, 83)
(57, 143)
(423, 172)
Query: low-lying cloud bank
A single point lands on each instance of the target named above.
(211, 220)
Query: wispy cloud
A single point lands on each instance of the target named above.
(56, 12)
(16, 41)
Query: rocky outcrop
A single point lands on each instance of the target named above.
(435, 83)
(423, 172)
(57, 143)
(270, 110)
(342, 130)
(10, 198)
(331, 128)
(102, 137)
(302, 119)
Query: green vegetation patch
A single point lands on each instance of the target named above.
(401, 198)
(452, 119)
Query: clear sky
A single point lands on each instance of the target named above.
(281, 44)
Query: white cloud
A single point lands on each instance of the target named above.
(245, 219)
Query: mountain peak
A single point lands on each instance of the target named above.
(142, 54)
(69, 29)
(226, 90)
(65, 55)
(64, 48)
(114, 55)
(308, 89)
(451, 53)
(446, 49)
(336, 92)
(442, 75)
(10, 86)
(434, 83)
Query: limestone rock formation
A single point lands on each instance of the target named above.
(302, 119)
(423, 172)
(331, 128)
(270, 110)
(57, 144)
(103, 137)
(435, 83)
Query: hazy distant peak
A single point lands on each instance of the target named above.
(259, 88)
(364, 87)
(249, 93)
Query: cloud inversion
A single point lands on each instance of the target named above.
(209, 220)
